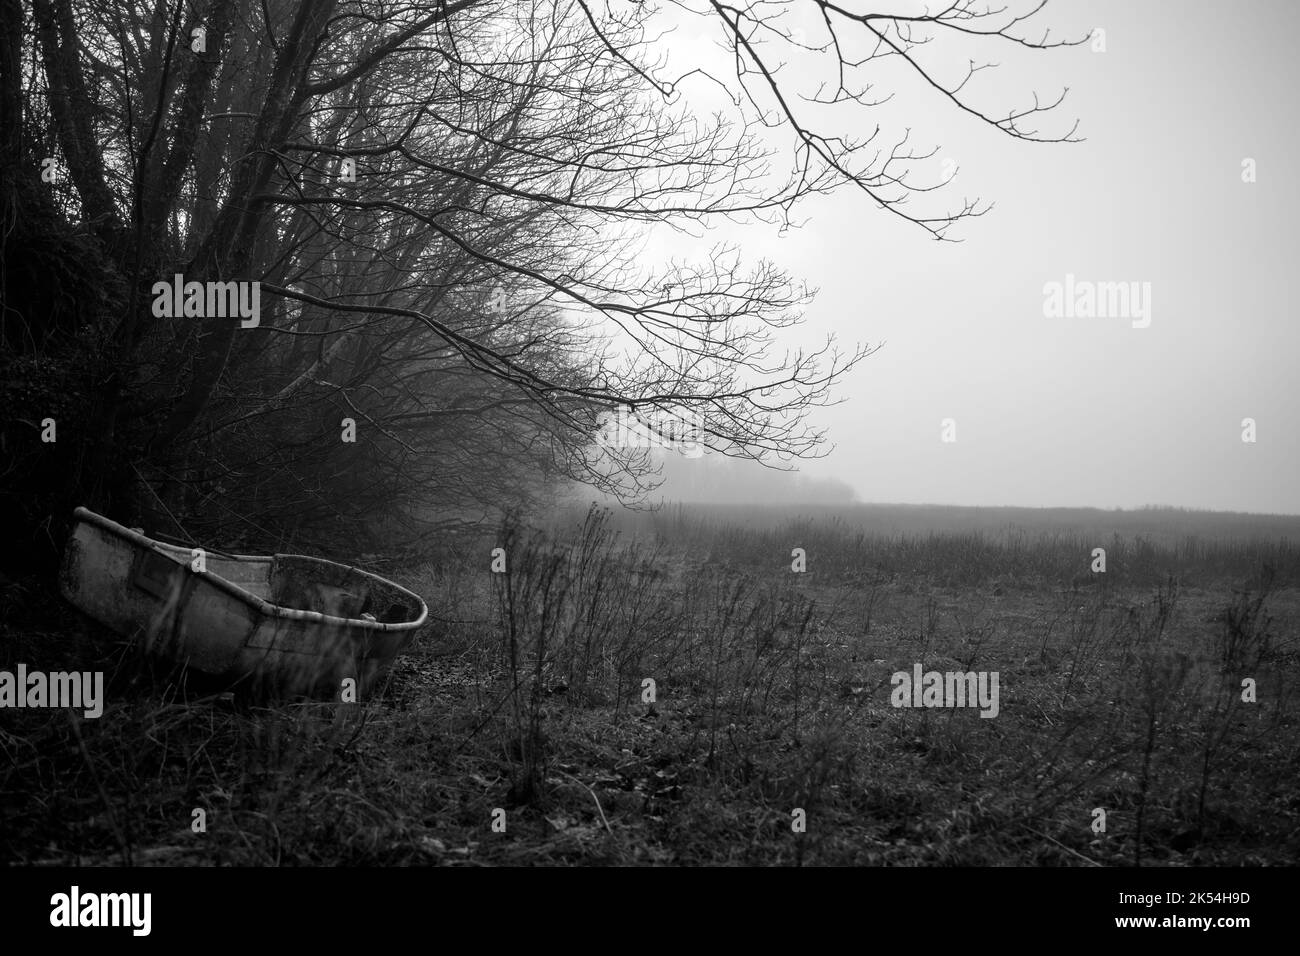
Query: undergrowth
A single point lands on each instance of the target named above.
(686, 697)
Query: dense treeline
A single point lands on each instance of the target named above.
(414, 230)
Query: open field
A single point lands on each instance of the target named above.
(1119, 690)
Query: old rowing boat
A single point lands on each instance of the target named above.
(293, 622)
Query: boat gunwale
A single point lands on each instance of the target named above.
(84, 514)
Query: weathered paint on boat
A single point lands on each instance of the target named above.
(292, 620)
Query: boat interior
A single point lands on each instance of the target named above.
(310, 584)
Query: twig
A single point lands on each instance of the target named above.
(594, 798)
(1086, 859)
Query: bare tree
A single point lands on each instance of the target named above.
(442, 202)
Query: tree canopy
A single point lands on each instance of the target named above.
(443, 205)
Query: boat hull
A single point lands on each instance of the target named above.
(289, 621)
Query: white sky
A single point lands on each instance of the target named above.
(1079, 411)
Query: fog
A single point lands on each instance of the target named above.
(1056, 410)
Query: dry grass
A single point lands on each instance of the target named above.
(1119, 691)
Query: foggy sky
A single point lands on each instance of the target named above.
(1087, 411)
